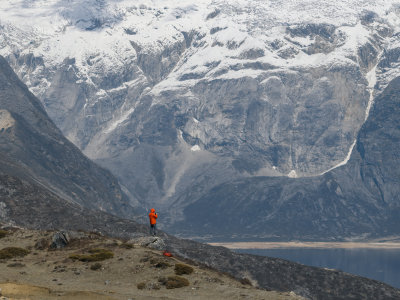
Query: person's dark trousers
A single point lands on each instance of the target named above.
(153, 229)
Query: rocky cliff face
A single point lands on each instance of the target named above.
(359, 199)
(33, 149)
(182, 101)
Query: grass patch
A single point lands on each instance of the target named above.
(181, 269)
(11, 252)
(96, 266)
(3, 233)
(175, 282)
(97, 250)
(95, 255)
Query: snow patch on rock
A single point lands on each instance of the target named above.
(195, 148)
(6, 120)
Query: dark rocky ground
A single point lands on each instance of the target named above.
(30, 205)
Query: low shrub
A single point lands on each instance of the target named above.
(159, 263)
(163, 280)
(96, 266)
(162, 265)
(95, 255)
(181, 269)
(97, 250)
(11, 252)
(141, 285)
(174, 282)
(3, 233)
(245, 281)
(75, 256)
(148, 286)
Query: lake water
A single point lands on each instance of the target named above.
(379, 264)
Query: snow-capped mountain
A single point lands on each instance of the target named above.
(179, 97)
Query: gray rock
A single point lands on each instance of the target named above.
(60, 240)
(156, 243)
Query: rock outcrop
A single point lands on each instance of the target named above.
(359, 199)
(60, 240)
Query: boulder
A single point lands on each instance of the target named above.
(152, 242)
(60, 240)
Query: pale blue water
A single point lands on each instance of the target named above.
(378, 264)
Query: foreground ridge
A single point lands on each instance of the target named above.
(133, 271)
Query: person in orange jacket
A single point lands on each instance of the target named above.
(153, 220)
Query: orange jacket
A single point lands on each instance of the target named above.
(153, 216)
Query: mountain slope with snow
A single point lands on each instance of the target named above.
(176, 97)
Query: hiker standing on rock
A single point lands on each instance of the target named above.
(153, 220)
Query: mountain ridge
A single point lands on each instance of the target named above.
(34, 149)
